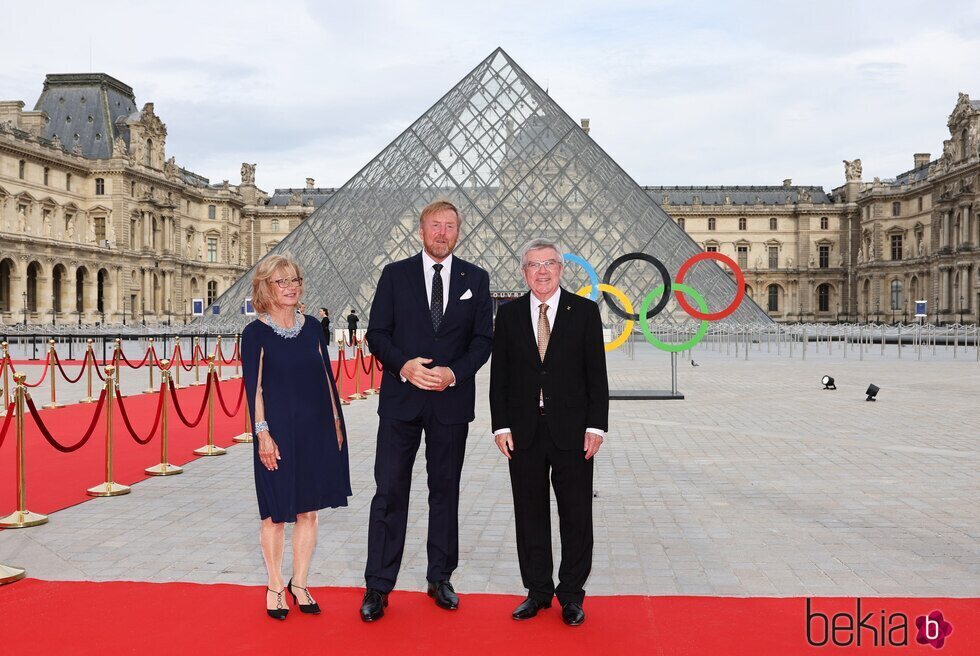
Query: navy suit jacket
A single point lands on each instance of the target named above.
(400, 328)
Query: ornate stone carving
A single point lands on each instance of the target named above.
(56, 143)
(248, 173)
(170, 168)
(804, 195)
(852, 170)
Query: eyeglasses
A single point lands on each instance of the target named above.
(547, 265)
(289, 282)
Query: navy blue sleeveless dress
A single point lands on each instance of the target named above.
(296, 394)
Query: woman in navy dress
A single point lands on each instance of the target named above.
(301, 460)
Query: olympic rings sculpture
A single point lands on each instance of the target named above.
(611, 293)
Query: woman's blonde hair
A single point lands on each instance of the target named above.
(263, 295)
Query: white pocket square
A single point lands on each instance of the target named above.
(468, 294)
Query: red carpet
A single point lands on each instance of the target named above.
(58, 480)
(42, 617)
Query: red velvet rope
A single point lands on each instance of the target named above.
(156, 421)
(365, 369)
(238, 403)
(44, 374)
(377, 363)
(199, 354)
(51, 440)
(204, 406)
(129, 364)
(57, 361)
(6, 421)
(221, 355)
(342, 360)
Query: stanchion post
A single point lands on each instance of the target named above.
(340, 372)
(10, 574)
(210, 449)
(109, 488)
(164, 468)
(236, 355)
(51, 366)
(22, 517)
(89, 363)
(246, 437)
(5, 360)
(196, 362)
(219, 357)
(117, 363)
(178, 360)
(150, 389)
(371, 391)
(358, 355)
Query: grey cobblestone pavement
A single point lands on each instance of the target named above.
(759, 483)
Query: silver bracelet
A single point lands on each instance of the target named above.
(261, 426)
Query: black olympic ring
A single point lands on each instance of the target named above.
(661, 304)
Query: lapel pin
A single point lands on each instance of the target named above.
(462, 273)
(568, 307)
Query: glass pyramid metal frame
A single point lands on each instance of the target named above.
(518, 167)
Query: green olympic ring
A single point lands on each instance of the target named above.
(645, 324)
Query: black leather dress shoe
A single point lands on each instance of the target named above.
(572, 614)
(444, 595)
(373, 606)
(529, 608)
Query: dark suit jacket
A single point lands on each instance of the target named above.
(400, 328)
(572, 376)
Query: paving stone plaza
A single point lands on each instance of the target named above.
(758, 483)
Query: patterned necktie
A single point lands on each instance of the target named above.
(544, 330)
(544, 334)
(435, 306)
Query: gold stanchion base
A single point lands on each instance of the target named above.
(194, 384)
(18, 519)
(150, 391)
(356, 397)
(108, 489)
(344, 401)
(11, 574)
(48, 406)
(244, 438)
(87, 399)
(372, 391)
(209, 450)
(164, 469)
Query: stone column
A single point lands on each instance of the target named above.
(146, 295)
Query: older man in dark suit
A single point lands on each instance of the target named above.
(549, 405)
(431, 325)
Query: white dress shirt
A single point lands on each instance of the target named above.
(552, 313)
(447, 265)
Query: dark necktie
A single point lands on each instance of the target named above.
(435, 307)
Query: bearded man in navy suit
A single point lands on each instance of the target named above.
(431, 325)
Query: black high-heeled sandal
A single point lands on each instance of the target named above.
(311, 608)
(280, 611)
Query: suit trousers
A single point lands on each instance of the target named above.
(571, 476)
(398, 443)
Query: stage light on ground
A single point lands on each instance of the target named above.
(828, 383)
(872, 392)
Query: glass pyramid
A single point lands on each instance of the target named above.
(518, 167)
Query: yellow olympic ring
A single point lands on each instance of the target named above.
(628, 326)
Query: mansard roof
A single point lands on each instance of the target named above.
(87, 105)
(739, 195)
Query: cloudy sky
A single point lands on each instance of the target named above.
(678, 92)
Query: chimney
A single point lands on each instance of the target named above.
(788, 182)
(309, 183)
(921, 159)
(585, 125)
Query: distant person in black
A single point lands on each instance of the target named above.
(325, 324)
(352, 325)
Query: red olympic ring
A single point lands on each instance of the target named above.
(739, 280)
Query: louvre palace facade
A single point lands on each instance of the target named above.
(98, 223)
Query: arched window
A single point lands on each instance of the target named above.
(68, 181)
(21, 169)
(47, 175)
(773, 298)
(275, 225)
(148, 155)
(32, 271)
(6, 269)
(212, 212)
(212, 291)
(824, 223)
(711, 223)
(896, 294)
(100, 294)
(742, 223)
(896, 208)
(773, 224)
(680, 222)
(823, 298)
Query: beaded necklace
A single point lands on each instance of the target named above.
(285, 333)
